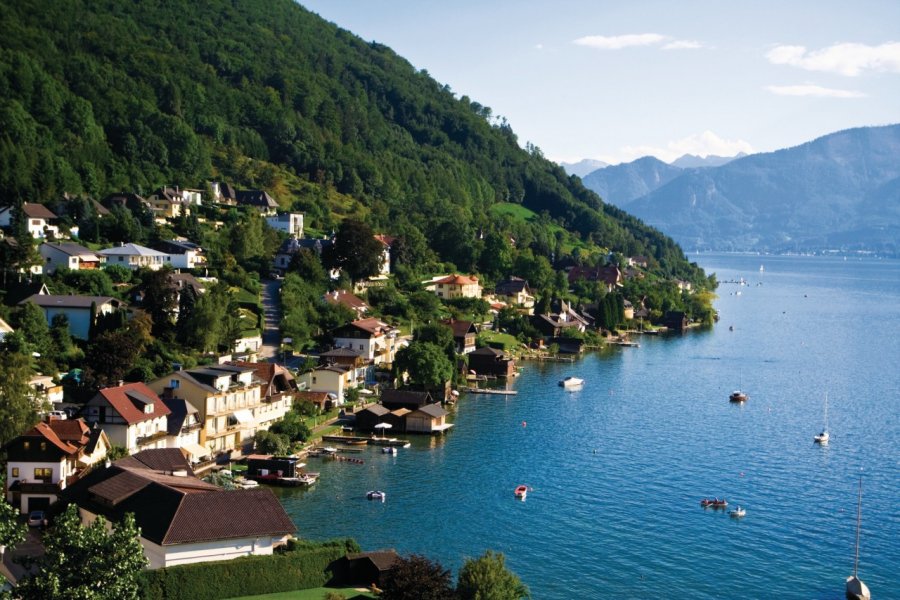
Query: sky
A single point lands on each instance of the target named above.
(617, 80)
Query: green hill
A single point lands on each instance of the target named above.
(102, 96)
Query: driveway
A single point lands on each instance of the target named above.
(32, 547)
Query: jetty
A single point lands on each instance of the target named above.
(475, 390)
(358, 441)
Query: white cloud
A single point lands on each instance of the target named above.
(845, 59)
(683, 45)
(809, 89)
(617, 42)
(700, 144)
(538, 46)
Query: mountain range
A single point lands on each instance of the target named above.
(840, 191)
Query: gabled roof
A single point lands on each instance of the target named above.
(458, 280)
(177, 246)
(54, 301)
(314, 397)
(131, 250)
(341, 353)
(275, 377)
(417, 397)
(386, 240)
(510, 286)
(43, 430)
(179, 410)
(371, 326)
(162, 459)
(37, 211)
(71, 248)
(433, 410)
(382, 559)
(488, 351)
(5, 327)
(376, 409)
(129, 400)
(461, 328)
(345, 298)
(255, 198)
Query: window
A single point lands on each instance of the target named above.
(15, 472)
(43, 473)
(26, 445)
(314, 380)
(174, 383)
(43, 446)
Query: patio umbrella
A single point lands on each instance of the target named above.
(382, 427)
(365, 392)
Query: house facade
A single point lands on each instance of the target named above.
(48, 457)
(464, 334)
(182, 519)
(376, 340)
(70, 256)
(39, 219)
(182, 254)
(456, 286)
(132, 415)
(515, 292)
(290, 223)
(77, 310)
(331, 379)
(431, 418)
(227, 398)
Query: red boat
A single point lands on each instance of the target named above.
(521, 492)
(713, 503)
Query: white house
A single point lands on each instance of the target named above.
(182, 254)
(44, 390)
(132, 415)
(44, 460)
(134, 256)
(377, 341)
(4, 329)
(76, 308)
(39, 218)
(386, 241)
(331, 379)
(290, 223)
(70, 256)
(182, 519)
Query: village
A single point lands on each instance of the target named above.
(112, 435)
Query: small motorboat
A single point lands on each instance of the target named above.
(737, 513)
(521, 492)
(571, 382)
(245, 484)
(822, 438)
(388, 450)
(376, 495)
(713, 503)
(738, 396)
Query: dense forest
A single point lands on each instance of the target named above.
(105, 96)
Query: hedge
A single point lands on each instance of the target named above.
(302, 565)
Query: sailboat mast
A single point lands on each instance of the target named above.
(858, 521)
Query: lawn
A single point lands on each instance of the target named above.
(495, 339)
(310, 594)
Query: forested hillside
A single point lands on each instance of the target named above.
(106, 96)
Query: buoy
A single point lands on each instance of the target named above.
(524, 424)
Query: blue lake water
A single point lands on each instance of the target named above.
(618, 468)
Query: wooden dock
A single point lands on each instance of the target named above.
(475, 390)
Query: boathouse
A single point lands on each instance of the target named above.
(492, 362)
(363, 568)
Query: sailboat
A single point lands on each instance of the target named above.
(737, 395)
(822, 438)
(856, 589)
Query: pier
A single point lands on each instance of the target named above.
(475, 390)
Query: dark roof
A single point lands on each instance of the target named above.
(433, 410)
(54, 301)
(37, 211)
(382, 559)
(70, 248)
(488, 351)
(461, 328)
(179, 409)
(416, 397)
(342, 353)
(375, 409)
(610, 274)
(163, 459)
(510, 286)
(255, 198)
(176, 246)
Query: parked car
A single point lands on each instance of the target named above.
(59, 414)
(36, 518)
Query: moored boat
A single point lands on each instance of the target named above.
(713, 503)
(521, 492)
(823, 437)
(855, 588)
(571, 382)
(738, 396)
(388, 450)
(738, 513)
(376, 495)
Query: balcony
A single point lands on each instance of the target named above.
(153, 437)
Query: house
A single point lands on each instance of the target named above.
(377, 340)
(227, 398)
(363, 569)
(48, 457)
(335, 380)
(223, 193)
(167, 203)
(183, 426)
(134, 256)
(609, 275)
(321, 400)
(248, 343)
(561, 322)
(490, 361)
(290, 247)
(277, 394)
(132, 415)
(455, 286)
(431, 418)
(5, 329)
(182, 254)
(38, 217)
(639, 261)
(684, 286)
(515, 292)
(351, 301)
(290, 223)
(628, 310)
(70, 256)
(44, 390)
(267, 464)
(182, 520)
(258, 199)
(409, 399)
(77, 310)
(386, 243)
(464, 334)
(351, 359)
(675, 320)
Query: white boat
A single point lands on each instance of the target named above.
(245, 484)
(376, 495)
(571, 382)
(822, 438)
(856, 589)
(738, 513)
(388, 450)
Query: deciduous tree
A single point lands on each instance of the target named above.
(487, 578)
(417, 578)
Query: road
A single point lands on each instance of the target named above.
(271, 301)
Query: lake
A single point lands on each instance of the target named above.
(617, 469)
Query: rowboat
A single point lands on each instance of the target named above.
(521, 492)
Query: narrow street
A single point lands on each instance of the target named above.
(270, 296)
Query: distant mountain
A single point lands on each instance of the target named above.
(583, 167)
(692, 161)
(620, 184)
(838, 191)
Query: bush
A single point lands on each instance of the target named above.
(302, 566)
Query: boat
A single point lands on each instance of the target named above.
(822, 438)
(713, 503)
(521, 492)
(245, 484)
(376, 495)
(738, 396)
(388, 450)
(856, 589)
(570, 382)
(737, 513)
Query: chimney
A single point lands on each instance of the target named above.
(121, 383)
